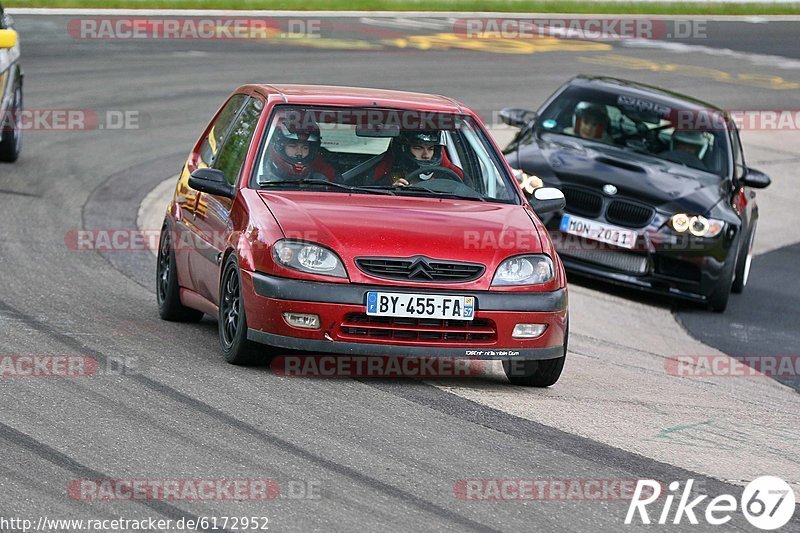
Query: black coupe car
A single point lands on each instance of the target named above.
(658, 193)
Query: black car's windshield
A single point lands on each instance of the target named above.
(381, 151)
(690, 137)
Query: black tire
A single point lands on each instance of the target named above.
(718, 300)
(236, 349)
(167, 289)
(536, 373)
(743, 262)
(11, 145)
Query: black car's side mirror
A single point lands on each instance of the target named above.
(547, 200)
(519, 118)
(211, 181)
(756, 179)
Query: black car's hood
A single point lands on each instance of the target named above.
(669, 187)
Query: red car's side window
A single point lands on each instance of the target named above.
(231, 157)
(212, 143)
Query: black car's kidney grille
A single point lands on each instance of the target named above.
(582, 202)
(629, 214)
(422, 269)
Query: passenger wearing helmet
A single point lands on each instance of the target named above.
(690, 142)
(410, 151)
(689, 148)
(294, 154)
(590, 122)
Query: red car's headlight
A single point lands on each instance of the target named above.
(524, 270)
(308, 257)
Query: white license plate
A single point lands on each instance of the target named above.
(597, 231)
(420, 305)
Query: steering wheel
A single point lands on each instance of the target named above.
(448, 173)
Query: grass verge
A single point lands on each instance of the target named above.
(517, 6)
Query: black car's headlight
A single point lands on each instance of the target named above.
(524, 270)
(308, 257)
(697, 225)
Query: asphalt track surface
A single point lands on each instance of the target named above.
(385, 454)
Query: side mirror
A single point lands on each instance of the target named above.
(211, 181)
(516, 117)
(756, 179)
(8, 39)
(547, 200)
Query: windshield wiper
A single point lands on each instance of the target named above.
(414, 189)
(313, 181)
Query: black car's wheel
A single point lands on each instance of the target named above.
(233, 320)
(743, 262)
(536, 373)
(167, 290)
(11, 145)
(718, 299)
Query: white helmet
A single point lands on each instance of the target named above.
(697, 139)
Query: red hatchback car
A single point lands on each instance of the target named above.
(362, 221)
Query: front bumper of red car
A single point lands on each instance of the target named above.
(345, 328)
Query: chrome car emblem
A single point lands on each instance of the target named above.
(420, 269)
(609, 189)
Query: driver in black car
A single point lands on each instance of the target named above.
(590, 122)
(413, 151)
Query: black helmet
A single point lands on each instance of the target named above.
(287, 133)
(407, 139)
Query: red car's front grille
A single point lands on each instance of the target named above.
(359, 326)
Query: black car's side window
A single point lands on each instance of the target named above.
(738, 156)
(211, 145)
(231, 158)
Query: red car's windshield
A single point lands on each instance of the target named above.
(378, 149)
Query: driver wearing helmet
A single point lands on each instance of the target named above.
(294, 153)
(691, 142)
(413, 150)
(590, 122)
